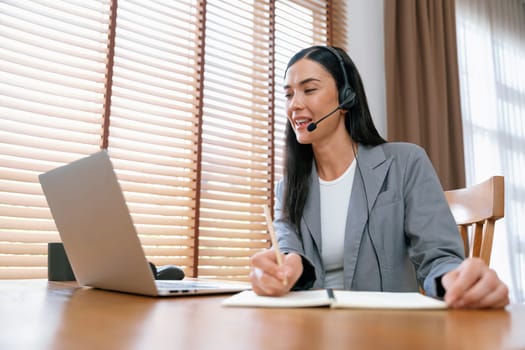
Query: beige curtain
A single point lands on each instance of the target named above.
(423, 101)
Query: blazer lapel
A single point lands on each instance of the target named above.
(372, 168)
(312, 211)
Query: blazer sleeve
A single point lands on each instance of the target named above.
(290, 242)
(434, 245)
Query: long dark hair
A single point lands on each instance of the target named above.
(358, 123)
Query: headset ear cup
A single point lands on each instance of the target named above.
(347, 98)
(346, 94)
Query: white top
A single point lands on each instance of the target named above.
(335, 198)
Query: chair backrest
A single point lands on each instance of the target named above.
(478, 207)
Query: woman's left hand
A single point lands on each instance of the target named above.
(474, 285)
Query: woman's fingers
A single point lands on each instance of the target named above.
(474, 285)
(268, 278)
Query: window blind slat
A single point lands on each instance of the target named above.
(221, 271)
(230, 252)
(21, 236)
(158, 235)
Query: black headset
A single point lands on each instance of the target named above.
(346, 94)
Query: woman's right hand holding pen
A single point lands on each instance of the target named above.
(270, 279)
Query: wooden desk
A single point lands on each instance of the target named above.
(36, 314)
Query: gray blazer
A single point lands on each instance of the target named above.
(409, 221)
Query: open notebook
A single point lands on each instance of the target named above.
(337, 299)
(99, 237)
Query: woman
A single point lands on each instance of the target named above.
(354, 211)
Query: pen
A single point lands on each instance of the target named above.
(275, 245)
(330, 293)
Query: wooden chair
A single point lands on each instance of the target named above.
(478, 207)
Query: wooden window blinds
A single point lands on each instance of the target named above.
(187, 98)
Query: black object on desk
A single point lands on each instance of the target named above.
(167, 272)
(58, 267)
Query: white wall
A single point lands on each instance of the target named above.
(366, 47)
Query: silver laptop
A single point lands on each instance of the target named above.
(99, 237)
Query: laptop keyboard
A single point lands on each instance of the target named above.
(173, 285)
